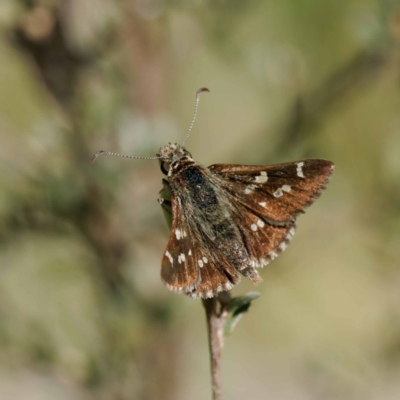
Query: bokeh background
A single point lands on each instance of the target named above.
(83, 313)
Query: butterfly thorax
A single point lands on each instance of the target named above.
(192, 182)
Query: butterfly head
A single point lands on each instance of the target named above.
(170, 155)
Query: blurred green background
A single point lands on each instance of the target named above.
(83, 313)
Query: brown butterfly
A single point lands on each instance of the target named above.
(228, 220)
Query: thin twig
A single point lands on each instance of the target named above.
(216, 315)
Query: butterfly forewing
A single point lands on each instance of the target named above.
(203, 269)
(194, 266)
(179, 268)
(279, 192)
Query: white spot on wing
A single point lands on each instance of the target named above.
(205, 259)
(262, 204)
(260, 223)
(286, 188)
(254, 227)
(190, 252)
(181, 258)
(200, 262)
(249, 189)
(262, 178)
(299, 169)
(178, 234)
(169, 257)
(278, 192)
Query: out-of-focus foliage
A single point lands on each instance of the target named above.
(236, 308)
(83, 313)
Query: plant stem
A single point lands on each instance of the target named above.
(216, 315)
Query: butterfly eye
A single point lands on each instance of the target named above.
(165, 167)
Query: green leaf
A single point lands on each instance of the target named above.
(236, 308)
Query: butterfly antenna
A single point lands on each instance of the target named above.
(101, 152)
(196, 105)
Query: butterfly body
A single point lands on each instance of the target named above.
(228, 220)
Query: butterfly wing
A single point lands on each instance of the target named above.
(179, 267)
(278, 192)
(216, 276)
(264, 241)
(189, 265)
(265, 201)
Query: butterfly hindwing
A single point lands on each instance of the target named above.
(214, 279)
(264, 241)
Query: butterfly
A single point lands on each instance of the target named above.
(229, 220)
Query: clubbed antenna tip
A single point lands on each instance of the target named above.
(202, 90)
